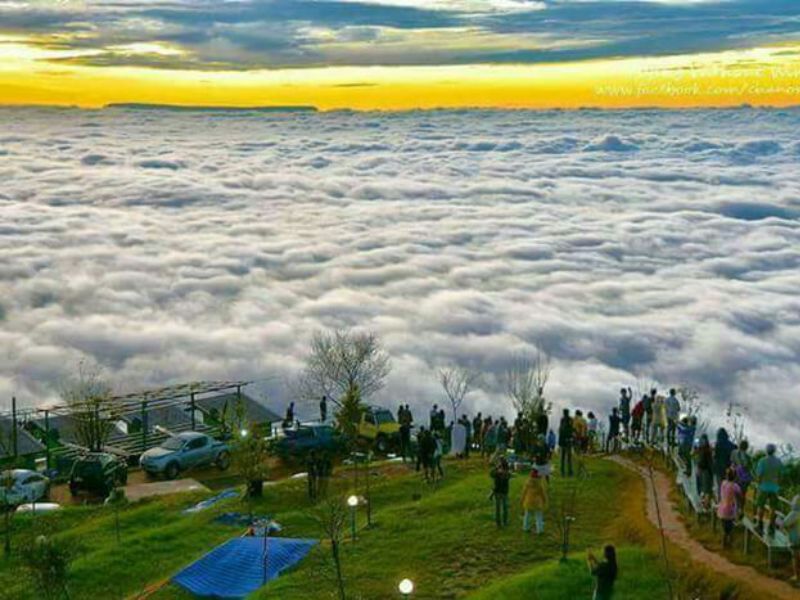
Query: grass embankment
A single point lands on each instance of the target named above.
(443, 537)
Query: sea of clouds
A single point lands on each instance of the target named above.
(632, 246)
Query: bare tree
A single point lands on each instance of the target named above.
(525, 382)
(457, 382)
(565, 509)
(88, 396)
(736, 417)
(331, 515)
(341, 361)
(117, 499)
(693, 406)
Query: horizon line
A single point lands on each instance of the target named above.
(311, 108)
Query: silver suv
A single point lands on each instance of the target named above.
(185, 451)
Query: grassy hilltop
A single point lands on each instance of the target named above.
(443, 537)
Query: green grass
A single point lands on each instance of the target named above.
(641, 577)
(443, 537)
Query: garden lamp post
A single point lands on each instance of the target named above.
(406, 587)
(352, 502)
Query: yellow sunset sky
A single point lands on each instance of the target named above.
(71, 60)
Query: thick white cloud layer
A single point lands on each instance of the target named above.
(631, 246)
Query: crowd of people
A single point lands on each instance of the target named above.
(723, 471)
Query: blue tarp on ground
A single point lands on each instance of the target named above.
(236, 568)
(208, 503)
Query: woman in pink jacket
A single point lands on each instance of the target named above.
(730, 499)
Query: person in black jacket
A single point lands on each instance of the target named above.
(565, 439)
(323, 409)
(542, 423)
(605, 573)
(501, 475)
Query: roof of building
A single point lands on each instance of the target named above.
(26, 443)
(165, 416)
(66, 428)
(254, 411)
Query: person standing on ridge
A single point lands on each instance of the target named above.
(723, 450)
(673, 406)
(768, 474)
(625, 397)
(730, 499)
(592, 425)
(686, 432)
(542, 422)
(405, 420)
(565, 440)
(289, 419)
(742, 462)
(637, 417)
(534, 501)
(477, 431)
(649, 401)
(323, 409)
(704, 469)
(501, 475)
(791, 525)
(580, 432)
(612, 442)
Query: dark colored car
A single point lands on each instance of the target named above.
(97, 472)
(297, 442)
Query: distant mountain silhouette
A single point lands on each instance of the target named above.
(188, 107)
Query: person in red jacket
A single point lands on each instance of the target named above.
(637, 415)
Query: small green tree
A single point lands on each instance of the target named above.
(47, 560)
(348, 415)
(232, 418)
(250, 454)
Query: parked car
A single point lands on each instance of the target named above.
(25, 486)
(299, 441)
(97, 472)
(185, 451)
(379, 426)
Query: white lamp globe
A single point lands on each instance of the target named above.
(352, 501)
(243, 432)
(406, 587)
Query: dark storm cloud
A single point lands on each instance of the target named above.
(275, 33)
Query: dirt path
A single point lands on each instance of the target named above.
(766, 587)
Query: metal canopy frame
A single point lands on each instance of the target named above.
(120, 405)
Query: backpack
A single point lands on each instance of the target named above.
(743, 476)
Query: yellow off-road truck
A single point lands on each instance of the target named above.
(379, 426)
